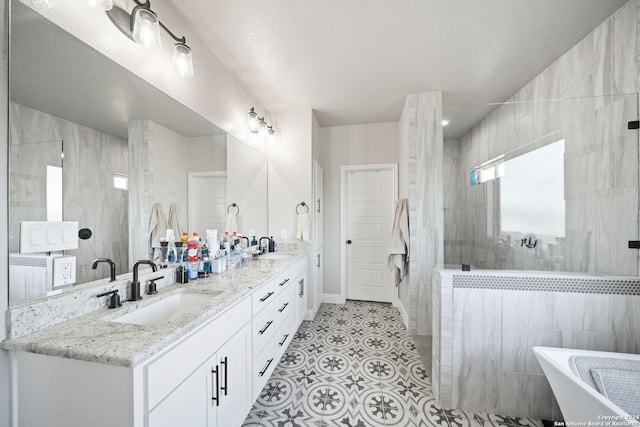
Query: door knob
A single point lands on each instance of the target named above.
(348, 242)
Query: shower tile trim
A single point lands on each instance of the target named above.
(546, 282)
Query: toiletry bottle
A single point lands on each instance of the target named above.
(192, 249)
(272, 245)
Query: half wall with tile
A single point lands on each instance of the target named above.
(485, 324)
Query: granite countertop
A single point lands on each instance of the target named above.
(94, 338)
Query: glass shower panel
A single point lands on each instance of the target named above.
(546, 185)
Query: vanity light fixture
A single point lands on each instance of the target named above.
(101, 4)
(143, 26)
(253, 121)
(445, 122)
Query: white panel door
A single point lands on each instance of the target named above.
(207, 202)
(318, 205)
(369, 217)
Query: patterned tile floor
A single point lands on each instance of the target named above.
(355, 365)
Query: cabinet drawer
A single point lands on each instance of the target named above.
(166, 373)
(263, 366)
(283, 336)
(284, 305)
(262, 296)
(263, 328)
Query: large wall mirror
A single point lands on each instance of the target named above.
(74, 117)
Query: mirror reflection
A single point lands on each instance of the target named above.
(93, 144)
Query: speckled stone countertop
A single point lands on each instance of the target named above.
(94, 337)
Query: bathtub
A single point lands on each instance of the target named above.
(579, 399)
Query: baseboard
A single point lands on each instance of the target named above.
(403, 313)
(333, 299)
(309, 315)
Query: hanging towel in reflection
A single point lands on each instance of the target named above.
(157, 225)
(304, 227)
(399, 245)
(232, 223)
(174, 220)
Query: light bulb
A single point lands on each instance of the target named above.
(252, 122)
(262, 131)
(183, 60)
(146, 29)
(101, 4)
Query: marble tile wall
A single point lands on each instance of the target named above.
(91, 157)
(425, 172)
(487, 339)
(601, 160)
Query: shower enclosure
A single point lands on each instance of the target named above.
(547, 185)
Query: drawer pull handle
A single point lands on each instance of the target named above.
(263, 330)
(284, 282)
(226, 379)
(281, 343)
(266, 367)
(215, 398)
(283, 307)
(266, 297)
(301, 283)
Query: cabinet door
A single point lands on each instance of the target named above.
(187, 405)
(234, 362)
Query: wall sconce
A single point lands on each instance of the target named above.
(143, 26)
(258, 125)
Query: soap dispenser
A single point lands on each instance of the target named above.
(272, 245)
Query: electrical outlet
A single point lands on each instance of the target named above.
(64, 270)
(283, 234)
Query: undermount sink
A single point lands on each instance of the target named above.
(166, 309)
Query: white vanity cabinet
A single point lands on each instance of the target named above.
(216, 394)
(275, 321)
(209, 377)
(202, 380)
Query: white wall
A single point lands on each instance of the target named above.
(348, 145)
(290, 171)
(206, 154)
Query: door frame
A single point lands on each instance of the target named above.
(192, 175)
(393, 167)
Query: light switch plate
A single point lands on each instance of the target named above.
(283, 234)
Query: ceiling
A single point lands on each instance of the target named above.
(354, 61)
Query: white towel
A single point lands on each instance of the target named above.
(174, 219)
(399, 245)
(157, 225)
(232, 223)
(304, 227)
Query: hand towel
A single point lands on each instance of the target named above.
(157, 225)
(304, 227)
(174, 219)
(399, 245)
(232, 223)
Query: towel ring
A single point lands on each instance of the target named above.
(303, 204)
(234, 205)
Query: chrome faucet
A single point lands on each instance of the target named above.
(112, 266)
(135, 284)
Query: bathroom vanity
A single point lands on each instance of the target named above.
(199, 360)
